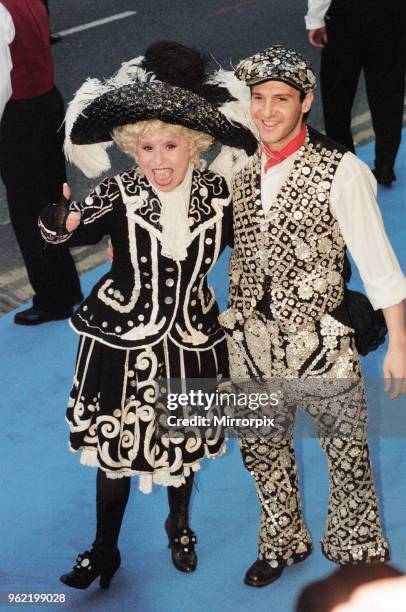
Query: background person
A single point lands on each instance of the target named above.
(7, 34)
(376, 586)
(385, 595)
(31, 153)
(367, 35)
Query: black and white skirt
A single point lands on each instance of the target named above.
(112, 410)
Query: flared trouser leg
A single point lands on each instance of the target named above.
(282, 533)
(353, 530)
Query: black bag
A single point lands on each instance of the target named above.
(356, 311)
(369, 324)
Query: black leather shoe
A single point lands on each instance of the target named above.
(384, 175)
(89, 566)
(182, 544)
(33, 316)
(261, 573)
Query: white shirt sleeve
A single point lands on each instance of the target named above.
(354, 205)
(7, 34)
(316, 11)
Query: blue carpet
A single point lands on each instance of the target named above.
(47, 498)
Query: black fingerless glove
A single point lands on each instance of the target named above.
(53, 217)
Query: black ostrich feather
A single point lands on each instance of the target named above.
(185, 67)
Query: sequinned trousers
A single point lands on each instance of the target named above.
(316, 370)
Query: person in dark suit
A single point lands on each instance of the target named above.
(368, 35)
(31, 154)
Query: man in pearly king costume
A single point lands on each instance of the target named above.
(297, 205)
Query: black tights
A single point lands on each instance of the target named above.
(179, 501)
(111, 500)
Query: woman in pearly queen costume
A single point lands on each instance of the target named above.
(152, 318)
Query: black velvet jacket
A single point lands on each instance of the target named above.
(146, 295)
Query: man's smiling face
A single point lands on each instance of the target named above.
(277, 110)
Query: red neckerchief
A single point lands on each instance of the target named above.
(276, 157)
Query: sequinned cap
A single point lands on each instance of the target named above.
(277, 63)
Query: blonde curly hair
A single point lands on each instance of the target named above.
(127, 136)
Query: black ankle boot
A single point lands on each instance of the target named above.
(182, 544)
(91, 564)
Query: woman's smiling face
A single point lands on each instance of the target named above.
(164, 157)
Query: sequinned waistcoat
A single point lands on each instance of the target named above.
(288, 262)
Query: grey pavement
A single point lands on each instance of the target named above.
(226, 29)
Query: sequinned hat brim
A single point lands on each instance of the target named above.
(139, 102)
(259, 80)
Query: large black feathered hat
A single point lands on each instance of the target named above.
(170, 84)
